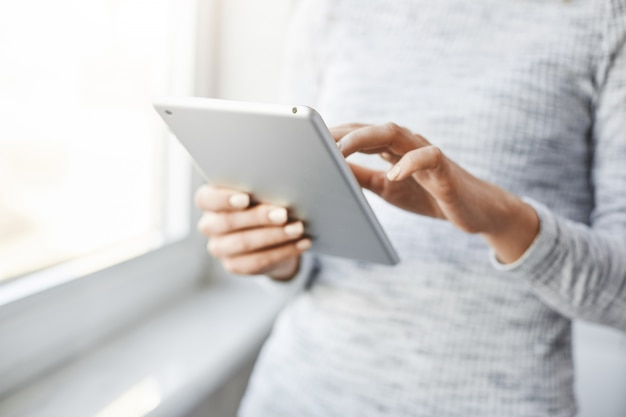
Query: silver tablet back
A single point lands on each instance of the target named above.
(282, 155)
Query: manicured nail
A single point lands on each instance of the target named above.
(294, 229)
(278, 215)
(304, 244)
(339, 144)
(239, 200)
(393, 173)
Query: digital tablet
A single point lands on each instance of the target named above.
(282, 155)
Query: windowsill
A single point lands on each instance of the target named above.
(169, 362)
(179, 357)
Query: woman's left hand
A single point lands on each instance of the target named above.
(424, 181)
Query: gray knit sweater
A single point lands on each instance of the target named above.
(527, 94)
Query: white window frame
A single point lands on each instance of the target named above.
(55, 315)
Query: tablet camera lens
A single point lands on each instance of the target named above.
(294, 110)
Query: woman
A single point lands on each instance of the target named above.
(510, 218)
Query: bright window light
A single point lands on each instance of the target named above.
(82, 152)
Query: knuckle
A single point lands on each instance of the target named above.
(244, 265)
(200, 196)
(242, 243)
(213, 248)
(204, 224)
(421, 139)
(261, 214)
(378, 183)
(437, 153)
(224, 223)
(255, 264)
(230, 266)
(247, 266)
(212, 224)
(231, 245)
(393, 128)
(347, 139)
(437, 156)
(200, 225)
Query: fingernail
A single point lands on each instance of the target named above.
(278, 215)
(239, 200)
(294, 229)
(393, 173)
(304, 244)
(339, 144)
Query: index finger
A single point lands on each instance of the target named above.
(340, 131)
(212, 198)
(379, 138)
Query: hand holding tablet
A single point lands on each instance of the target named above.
(280, 157)
(250, 239)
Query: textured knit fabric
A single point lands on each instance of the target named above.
(527, 94)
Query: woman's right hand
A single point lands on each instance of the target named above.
(250, 239)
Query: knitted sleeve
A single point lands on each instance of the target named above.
(580, 270)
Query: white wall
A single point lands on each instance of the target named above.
(600, 357)
(252, 37)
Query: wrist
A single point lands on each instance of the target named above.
(515, 229)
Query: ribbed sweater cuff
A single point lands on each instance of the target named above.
(540, 256)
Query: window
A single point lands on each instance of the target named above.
(82, 153)
(91, 184)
